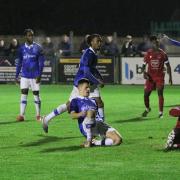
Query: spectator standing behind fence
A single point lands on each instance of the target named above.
(64, 47)
(48, 47)
(12, 51)
(84, 45)
(109, 48)
(128, 48)
(3, 54)
(2, 48)
(143, 46)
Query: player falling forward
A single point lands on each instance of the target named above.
(155, 59)
(87, 69)
(84, 109)
(30, 64)
(173, 141)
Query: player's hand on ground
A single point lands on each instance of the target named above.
(87, 144)
(38, 80)
(17, 81)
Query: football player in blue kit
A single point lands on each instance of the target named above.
(87, 69)
(30, 64)
(84, 109)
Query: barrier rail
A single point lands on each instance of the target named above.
(125, 70)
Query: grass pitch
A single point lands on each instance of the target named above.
(27, 153)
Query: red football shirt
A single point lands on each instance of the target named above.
(156, 61)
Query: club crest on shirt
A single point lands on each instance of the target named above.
(155, 63)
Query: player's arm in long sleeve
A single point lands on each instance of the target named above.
(174, 42)
(75, 115)
(171, 41)
(87, 70)
(74, 110)
(98, 75)
(90, 76)
(19, 63)
(145, 74)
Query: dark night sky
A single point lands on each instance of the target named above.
(82, 16)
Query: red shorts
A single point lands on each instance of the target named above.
(156, 82)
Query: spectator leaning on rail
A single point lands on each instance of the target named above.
(128, 48)
(64, 47)
(109, 48)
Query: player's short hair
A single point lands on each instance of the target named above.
(91, 37)
(153, 38)
(28, 30)
(82, 81)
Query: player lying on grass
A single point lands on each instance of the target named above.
(173, 141)
(155, 59)
(84, 109)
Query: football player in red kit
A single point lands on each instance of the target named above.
(155, 59)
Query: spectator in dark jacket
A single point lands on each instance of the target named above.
(4, 60)
(3, 50)
(12, 51)
(109, 48)
(48, 47)
(143, 46)
(128, 48)
(64, 47)
(84, 45)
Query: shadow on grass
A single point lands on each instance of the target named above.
(62, 149)
(174, 105)
(45, 140)
(135, 119)
(13, 122)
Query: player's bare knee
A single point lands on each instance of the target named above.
(24, 91)
(99, 102)
(117, 140)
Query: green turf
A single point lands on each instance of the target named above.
(27, 153)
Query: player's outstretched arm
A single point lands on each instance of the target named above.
(171, 41)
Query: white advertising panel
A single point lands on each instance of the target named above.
(131, 70)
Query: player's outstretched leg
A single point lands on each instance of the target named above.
(161, 102)
(46, 119)
(146, 103)
(37, 102)
(23, 104)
